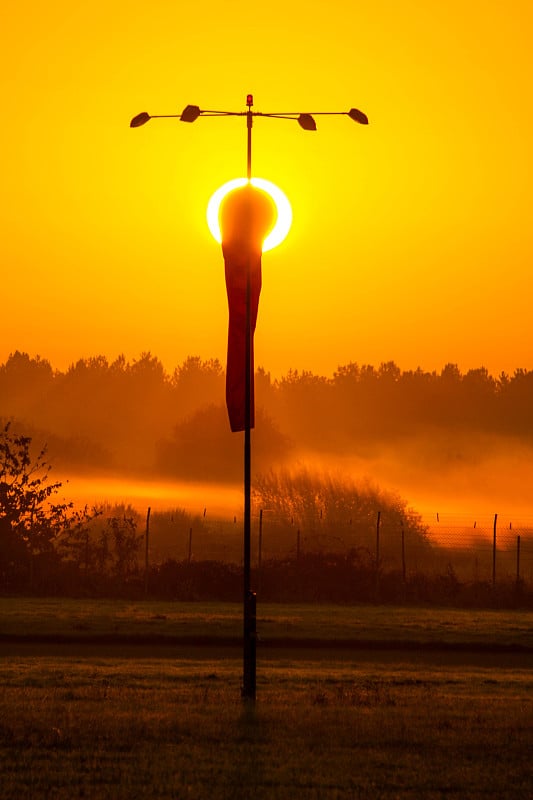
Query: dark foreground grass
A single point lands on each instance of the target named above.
(115, 728)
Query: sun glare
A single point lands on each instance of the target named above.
(283, 209)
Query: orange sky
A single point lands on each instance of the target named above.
(412, 238)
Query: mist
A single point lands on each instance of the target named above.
(446, 443)
(457, 482)
(215, 499)
(474, 475)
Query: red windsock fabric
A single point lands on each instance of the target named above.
(237, 264)
(245, 218)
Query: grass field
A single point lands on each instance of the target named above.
(101, 728)
(106, 726)
(89, 618)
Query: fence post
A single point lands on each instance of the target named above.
(260, 549)
(189, 556)
(260, 545)
(404, 571)
(378, 525)
(494, 552)
(86, 553)
(298, 545)
(146, 554)
(518, 563)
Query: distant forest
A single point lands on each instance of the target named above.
(135, 417)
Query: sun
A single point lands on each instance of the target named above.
(283, 209)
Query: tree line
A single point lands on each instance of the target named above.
(135, 416)
(50, 548)
(45, 543)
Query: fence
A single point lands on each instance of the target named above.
(374, 555)
(490, 549)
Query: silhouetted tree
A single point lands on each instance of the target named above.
(132, 416)
(196, 384)
(24, 384)
(203, 447)
(119, 546)
(326, 507)
(30, 522)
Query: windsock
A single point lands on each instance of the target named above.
(246, 215)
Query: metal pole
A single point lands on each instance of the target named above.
(189, 114)
(404, 570)
(260, 550)
(494, 551)
(518, 562)
(378, 525)
(249, 657)
(249, 123)
(146, 552)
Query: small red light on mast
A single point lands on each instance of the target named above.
(249, 100)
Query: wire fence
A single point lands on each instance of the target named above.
(312, 555)
(488, 549)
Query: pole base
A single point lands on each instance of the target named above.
(249, 650)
